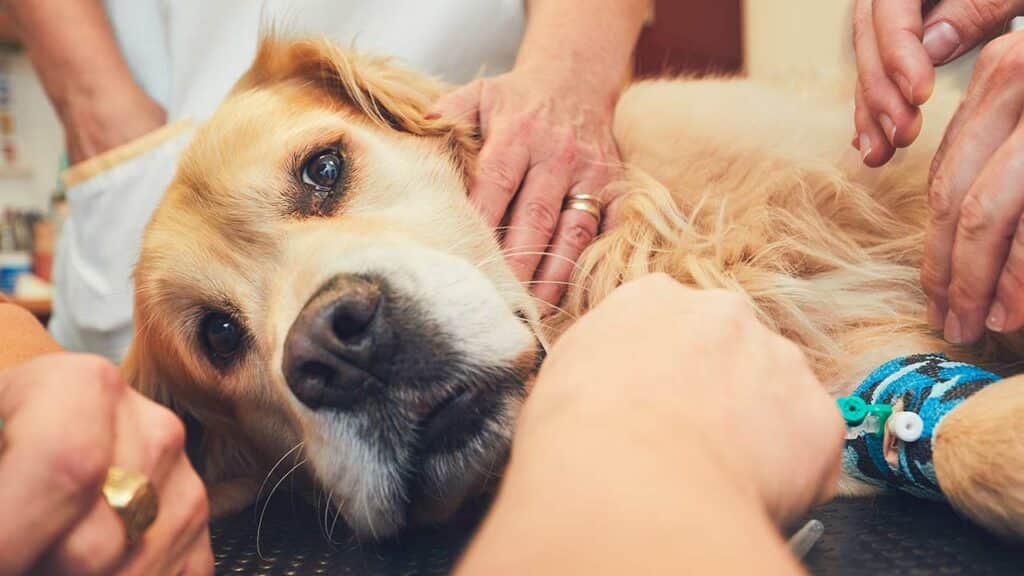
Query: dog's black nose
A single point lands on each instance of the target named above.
(339, 344)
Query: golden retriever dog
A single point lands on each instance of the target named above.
(316, 294)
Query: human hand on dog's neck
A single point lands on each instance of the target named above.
(668, 429)
(547, 135)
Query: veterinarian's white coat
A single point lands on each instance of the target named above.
(187, 54)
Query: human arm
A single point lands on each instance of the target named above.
(76, 56)
(645, 443)
(547, 132)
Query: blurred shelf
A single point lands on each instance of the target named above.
(20, 171)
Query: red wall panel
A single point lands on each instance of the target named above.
(692, 36)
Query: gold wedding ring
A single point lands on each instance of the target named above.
(585, 203)
(133, 497)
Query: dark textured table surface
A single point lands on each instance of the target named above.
(875, 536)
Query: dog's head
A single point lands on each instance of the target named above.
(315, 274)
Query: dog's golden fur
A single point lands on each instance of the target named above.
(734, 185)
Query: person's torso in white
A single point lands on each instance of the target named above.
(188, 54)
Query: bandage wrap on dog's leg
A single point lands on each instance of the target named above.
(930, 385)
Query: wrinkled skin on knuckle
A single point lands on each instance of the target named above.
(932, 283)
(941, 207)
(78, 468)
(1011, 282)
(1010, 68)
(577, 236)
(976, 218)
(500, 175)
(990, 56)
(966, 297)
(540, 217)
(982, 15)
(874, 96)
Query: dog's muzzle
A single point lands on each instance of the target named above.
(341, 346)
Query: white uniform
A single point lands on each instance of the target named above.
(187, 54)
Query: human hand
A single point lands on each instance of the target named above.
(67, 419)
(547, 134)
(898, 43)
(694, 377)
(973, 268)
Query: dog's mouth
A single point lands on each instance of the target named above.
(463, 444)
(455, 420)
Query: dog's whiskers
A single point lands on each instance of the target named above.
(274, 467)
(334, 522)
(263, 512)
(567, 284)
(542, 253)
(557, 308)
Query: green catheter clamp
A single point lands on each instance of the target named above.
(861, 416)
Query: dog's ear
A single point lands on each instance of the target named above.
(143, 375)
(221, 458)
(384, 92)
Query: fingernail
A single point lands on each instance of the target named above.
(865, 146)
(432, 116)
(952, 330)
(934, 316)
(996, 317)
(905, 86)
(941, 41)
(889, 127)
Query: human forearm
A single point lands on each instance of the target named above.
(594, 502)
(55, 33)
(593, 38)
(21, 336)
(73, 49)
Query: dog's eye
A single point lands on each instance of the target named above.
(222, 336)
(323, 170)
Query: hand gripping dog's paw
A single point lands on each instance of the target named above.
(940, 429)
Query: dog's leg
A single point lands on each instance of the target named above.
(979, 457)
(977, 447)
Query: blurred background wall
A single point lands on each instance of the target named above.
(813, 37)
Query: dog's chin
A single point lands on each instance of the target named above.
(448, 481)
(452, 456)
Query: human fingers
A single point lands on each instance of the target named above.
(51, 473)
(898, 30)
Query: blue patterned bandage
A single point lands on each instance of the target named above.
(930, 385)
